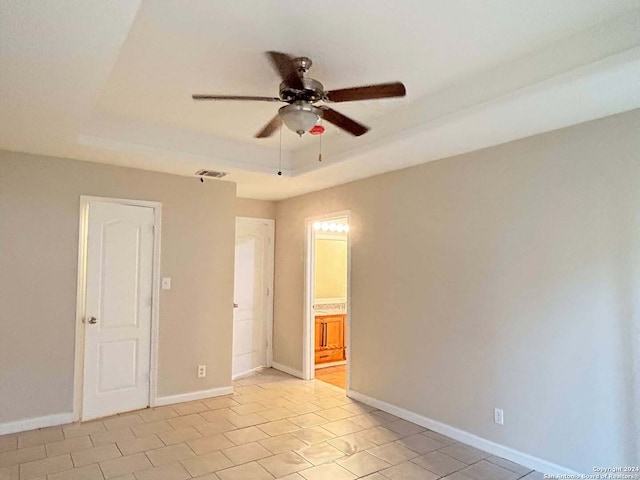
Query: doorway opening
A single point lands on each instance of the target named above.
(327, 353)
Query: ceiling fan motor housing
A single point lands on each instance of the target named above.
(313, 91)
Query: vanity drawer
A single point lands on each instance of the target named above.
(333, 355)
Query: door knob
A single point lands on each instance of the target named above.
(93, 320)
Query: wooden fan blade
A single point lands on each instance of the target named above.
(343, 122)
(270, 128)
(234, 97)
(369, 92)
(283, 63)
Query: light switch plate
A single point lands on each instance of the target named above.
(166, 283)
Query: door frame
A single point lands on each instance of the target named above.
(269, 274)
(78, 375)
(308, 353)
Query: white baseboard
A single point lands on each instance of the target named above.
(191, 396)
(524, 459)
(249, 373)
(289, 370)
(37, 422)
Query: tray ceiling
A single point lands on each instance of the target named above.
(112, 81)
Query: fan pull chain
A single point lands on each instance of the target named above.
(280, 159)
(320, 153)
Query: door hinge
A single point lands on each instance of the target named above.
(268, 291)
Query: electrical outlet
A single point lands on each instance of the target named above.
(498, 416)
(202, 371)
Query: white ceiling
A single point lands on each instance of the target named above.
(112, 81)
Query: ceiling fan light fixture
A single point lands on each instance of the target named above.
(300, 117)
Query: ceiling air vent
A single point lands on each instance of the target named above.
(210, 173)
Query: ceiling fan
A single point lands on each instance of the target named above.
(302, 92)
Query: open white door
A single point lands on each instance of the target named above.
(253, 291)
(119, 286)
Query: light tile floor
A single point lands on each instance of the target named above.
(273, 426)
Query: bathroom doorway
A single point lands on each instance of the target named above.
(327, 333)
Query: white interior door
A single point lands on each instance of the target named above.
(119, 285)
(252, 318)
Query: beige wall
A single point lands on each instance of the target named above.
(39, 214)
(508, 277)
(330, 268)
(247, 207)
